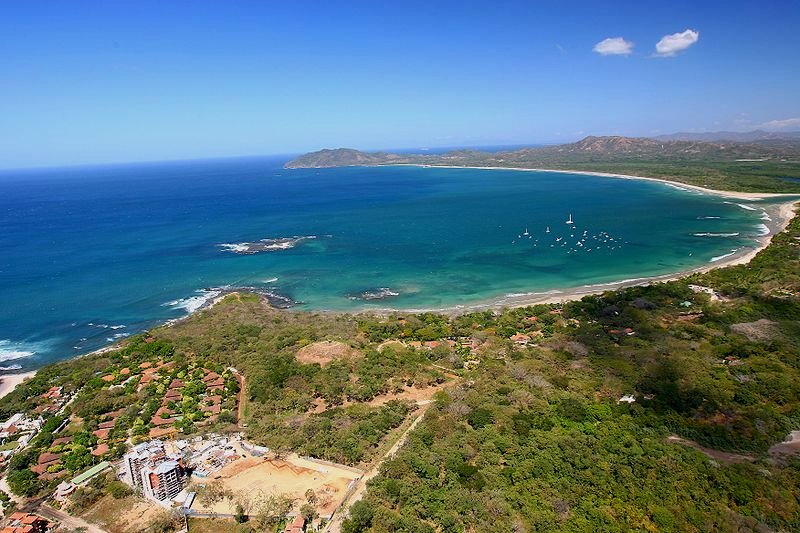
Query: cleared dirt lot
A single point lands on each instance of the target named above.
(291, 476)
(324, 352)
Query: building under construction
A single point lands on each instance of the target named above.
(157, 475)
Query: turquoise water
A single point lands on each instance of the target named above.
(96, 253)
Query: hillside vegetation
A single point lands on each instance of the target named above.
(650, 409)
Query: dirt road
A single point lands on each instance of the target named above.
(335, 525)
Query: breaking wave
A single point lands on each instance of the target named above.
(265, 245)
(743, 206)
(193, 303)
(721, 257)
(10, 351)
(106, 326)
(380, 293)
(716, 234)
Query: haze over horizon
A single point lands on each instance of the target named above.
(93, 83)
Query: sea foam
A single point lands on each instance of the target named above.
(721, 257)
(10, 351)
(381, 293)
(265, 245)
(743, 206)
(193, 303)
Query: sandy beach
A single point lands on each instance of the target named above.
(726, 194)
(780, 213)
(9, 381)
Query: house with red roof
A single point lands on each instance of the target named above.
(296, 525)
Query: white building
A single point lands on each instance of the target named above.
(149, 469)
(164, 481)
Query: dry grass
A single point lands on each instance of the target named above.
(759, 331)
(126, 515)
(324, 352)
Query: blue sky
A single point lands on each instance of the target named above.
(95, 82)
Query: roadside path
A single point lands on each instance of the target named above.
(73, 522)
(335, 525)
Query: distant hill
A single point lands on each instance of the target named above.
(756, 166)
(736, 136)
(340, 157)
(589, 149)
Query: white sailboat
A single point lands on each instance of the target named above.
(570, 219)
(547, 230)
(526, 231)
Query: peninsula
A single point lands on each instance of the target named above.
(759, 166)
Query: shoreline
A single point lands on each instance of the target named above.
(780, 212)
(8, 382)
(725, 194)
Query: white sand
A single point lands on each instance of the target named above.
(781, 214)
(9, 381)
(725, 194)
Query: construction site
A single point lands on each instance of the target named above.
(291, 476)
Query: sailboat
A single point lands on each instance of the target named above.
(547, 230)
(526, 231)
(570, 219)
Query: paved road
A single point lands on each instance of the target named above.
(38, 506)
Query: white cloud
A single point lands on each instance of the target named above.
(669, 45)
(614, 46)
(781, 124)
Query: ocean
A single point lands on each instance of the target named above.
(89, 255)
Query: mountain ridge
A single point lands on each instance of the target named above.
(591, 146)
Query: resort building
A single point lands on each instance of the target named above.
(148, 468)
(164, 481)
(62, 492)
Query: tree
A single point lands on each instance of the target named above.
(308, 511)
(240, 515)
(214, 493)
(360, 518)
(23, 482)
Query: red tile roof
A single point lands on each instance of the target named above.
(213, 409)
(217, 383)
(158, 421)
(101, 434)
(160, 432)
(48, 457)
(100, 450)
(210, 376)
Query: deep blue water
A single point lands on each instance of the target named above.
(87, 254)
